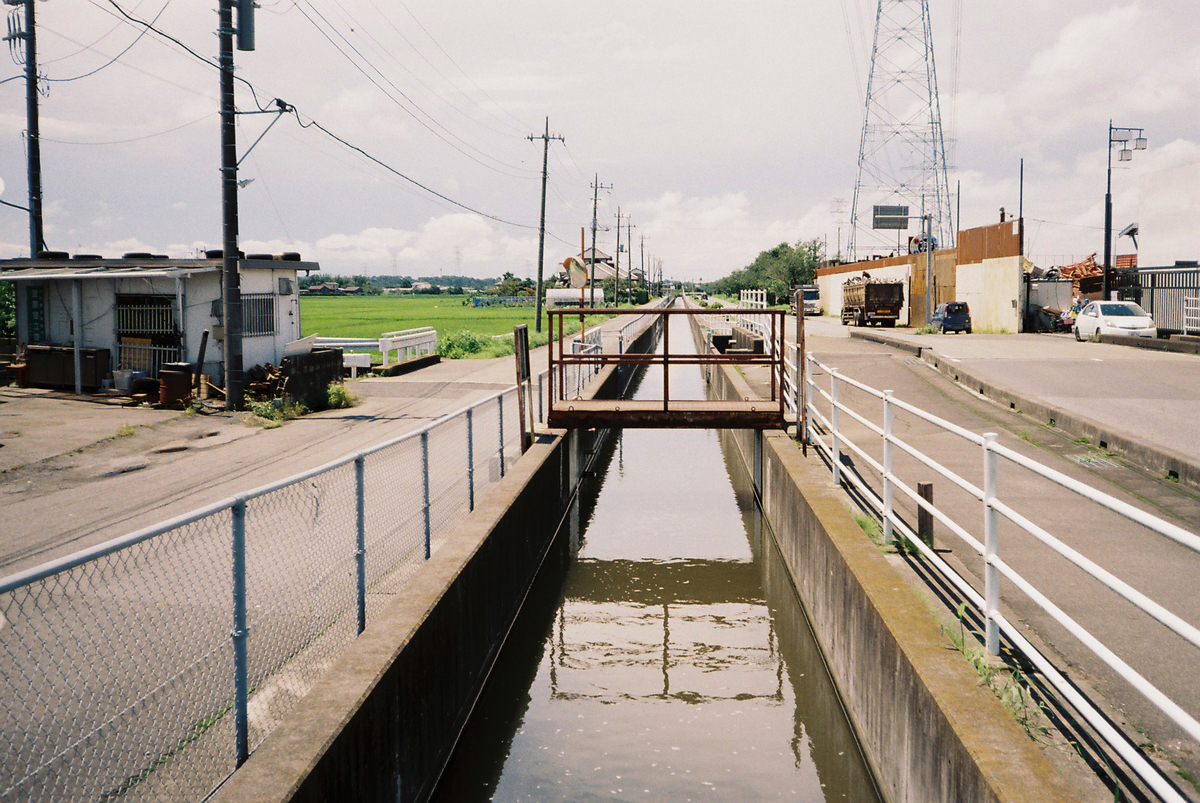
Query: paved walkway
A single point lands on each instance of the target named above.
(87, 486)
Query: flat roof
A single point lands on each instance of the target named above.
(16, 270)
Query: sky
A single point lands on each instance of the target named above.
(722, 128)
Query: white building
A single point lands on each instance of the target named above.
(147, 312)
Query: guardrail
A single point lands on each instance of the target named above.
(827, 434)
(407, 343)
(151, 665)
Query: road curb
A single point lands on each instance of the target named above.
(1152, 458)
(1176, 346)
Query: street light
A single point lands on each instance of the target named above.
(1123, 136)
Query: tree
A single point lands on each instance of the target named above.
(8, 309)
(776, 270)
(509, 285)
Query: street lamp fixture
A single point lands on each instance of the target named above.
(1121, 135)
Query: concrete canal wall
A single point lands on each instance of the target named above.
(382, 723)
(929, 730)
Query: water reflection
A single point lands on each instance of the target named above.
(662, 654)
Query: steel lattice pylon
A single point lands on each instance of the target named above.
(902, 153)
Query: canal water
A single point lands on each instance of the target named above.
(662, 654)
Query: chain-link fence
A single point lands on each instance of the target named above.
(149, 667)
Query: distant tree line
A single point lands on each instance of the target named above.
(776, 270)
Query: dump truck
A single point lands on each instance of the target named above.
(866, 300)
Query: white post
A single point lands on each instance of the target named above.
(836, 457)
(991, 547)
(888, 489)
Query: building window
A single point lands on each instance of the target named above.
(147, 332)
(258, 314)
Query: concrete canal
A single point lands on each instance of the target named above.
(662, 653)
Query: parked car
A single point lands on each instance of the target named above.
(1113, 318)
(952, 317)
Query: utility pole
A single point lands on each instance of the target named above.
(545, 138)
(617, 263)
(33, 137)
(231, 294)
(596, 187)
(629, 239)
(643, 249)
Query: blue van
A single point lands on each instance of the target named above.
(952, 317)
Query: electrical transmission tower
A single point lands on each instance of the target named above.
(902, 152)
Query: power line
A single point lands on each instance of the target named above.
(96, 41)
(458, 67)
(402, 94)
(314, 124)
(132, 139)
(114, 59)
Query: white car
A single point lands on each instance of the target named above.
(1113, 318)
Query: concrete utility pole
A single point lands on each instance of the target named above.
(545, 138)
(231, 293)
(596, 187)
(629, 238)
(33, 137)
(643, 249)
(617, 262)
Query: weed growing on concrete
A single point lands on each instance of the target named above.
(273, 412)
(1006, 683)
(124, 431)
(1082, 441)
(338, 398)
(870, 527)
(1027, 436)
(927, 330)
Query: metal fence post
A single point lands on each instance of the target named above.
(471, 457)
(241, 719)
(500, 401)
(888, 489)
(991, 546)
(620, 365)
(836, 456)
(360, 539)
(541, 414)
(425, 486)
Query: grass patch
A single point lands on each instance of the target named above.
(338, 398)
(271, 413)
(927, 330)
(125, 430)
(870, 527)
(1083, 441)
(1027, 436)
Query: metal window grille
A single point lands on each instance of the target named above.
(146, 315)
(258, 314)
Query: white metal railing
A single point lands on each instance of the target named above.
(407, 343)
(826, 433)
(1191, 315)
(145, 357)
(753, 299)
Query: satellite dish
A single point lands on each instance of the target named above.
(576, 272)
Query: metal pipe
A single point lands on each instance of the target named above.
(888, 415)
(360, 539)
(991, 546)
(241, 688)
(425, 490)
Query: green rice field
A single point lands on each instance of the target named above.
(463, 330)
(371, 316)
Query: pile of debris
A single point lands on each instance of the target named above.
(265, 382)
(1083, 269)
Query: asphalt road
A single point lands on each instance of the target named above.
(1165, 571)
(1151, 395)
(82, 485)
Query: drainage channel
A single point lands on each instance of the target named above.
(662, 653)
